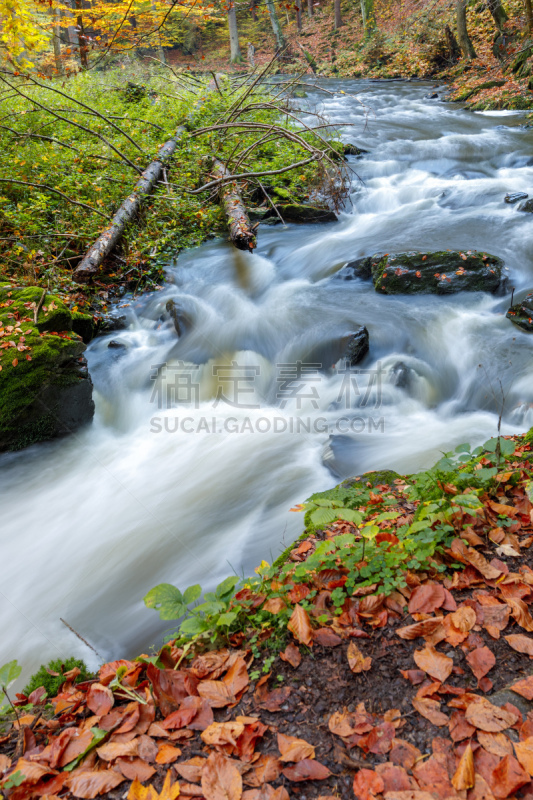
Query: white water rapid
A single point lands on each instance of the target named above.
(90, 523)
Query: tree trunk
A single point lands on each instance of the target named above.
(299, 15)
(276, 27)
(126, 213)
(310, 8)
(81, 35)
(369, 20)
(55, 13)
(467, 48)
(241, 232)
(451, 44)
(498, 13)
(235, 50)
(529, 15)
(338, 17)
(253, 11)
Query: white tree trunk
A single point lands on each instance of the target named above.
(235, 50)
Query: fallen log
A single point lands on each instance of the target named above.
(241, 230)
(126, 213)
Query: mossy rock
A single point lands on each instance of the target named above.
(521, 314)
(349, 493)
(83, 325)
(45, 388)
(443, 272)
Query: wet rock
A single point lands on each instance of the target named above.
(357, 347)
(431, 96)
(443, 272)
(360, 268)
(115, 344)
(527, 206)
(353, 150)
(522, 314)
(48, 394)
(515, 197)
(111, 322)
(400, 375)
(295, 212)
(179, 316)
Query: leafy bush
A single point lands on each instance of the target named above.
(52, 683)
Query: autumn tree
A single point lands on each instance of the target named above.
(338, 16)
(467, 48)
(369, 20)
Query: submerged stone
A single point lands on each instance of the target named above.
(357, 347)
(515, 197)
(45, 387)
(298, 212)
(527, 206)
(522, 314)
(444, 272)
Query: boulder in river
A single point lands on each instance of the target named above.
(357, 346)
(443, 272)
(45, 387)
(300, 212)
(353, 150)
(527, 206)
(515, 197)
(522, 313)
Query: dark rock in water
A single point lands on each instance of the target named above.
(293, 212)
(357, 347)
(515, 197)
(400, 375)
(443, 272)
(180, 318)
(111, 322)
(114, 344)
(353, 150)
(49, 394)
(527, 206)
(360, 268)
(431, 96)
(522, 314)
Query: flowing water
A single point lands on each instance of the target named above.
(190, 492)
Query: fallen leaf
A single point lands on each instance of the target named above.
(222, 733)
(135, 769)
(464, 777)
(167, 754)
(292, 655)
(426, 598)
(90, 783)
(496, 743)
(100, 699)
(306, 770)
(520, 643)
(326, 637)
(508, 777)
(435, 664)
(430, 709)
(464, 618)
(524, 687)
(524, 753)
(520, 612)
(481, 660)
(300, 627)
(112, 750)
(367, 784)
(221, 780)
(423, 628)
(356, 660)
(486, 717)
(294, 749)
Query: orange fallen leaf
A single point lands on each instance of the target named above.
(294, 749)
(464, 776)
(430, 709)
(487, 717)
(300, 626)
(356, 660)
(434, 663)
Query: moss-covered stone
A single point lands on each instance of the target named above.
(443, 272)
(522, 314)
(298, 212)
(45, 389)
(83, 325)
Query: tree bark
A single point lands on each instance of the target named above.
(310, 8)
(252, 10)
(529, 15)
(451, 43)
(369, 20)
(299, 15)
(338, 16)
(81, 36)
(241, 232)
(498, 13)
(235, 50)
(276, 27)
(467, 48)
(130, 207)
(55, 13)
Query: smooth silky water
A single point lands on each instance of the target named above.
(90, 523)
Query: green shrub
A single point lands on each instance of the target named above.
(52, 683)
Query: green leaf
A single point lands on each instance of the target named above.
(225, 589)
(166, 599)
(490, 445)
(15, 780)
(194, 626)
(225, 620)
(323, 516)
(192, 593)
(507, 447)
(9, 673)
(324, 503)
(418, 526)
(350, 515)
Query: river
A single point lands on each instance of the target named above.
(191, 492)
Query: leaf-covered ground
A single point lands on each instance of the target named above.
(372, 694)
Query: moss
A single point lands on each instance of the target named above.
(521, 314)
(32, 359)
(83, 325)
(52, 683)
